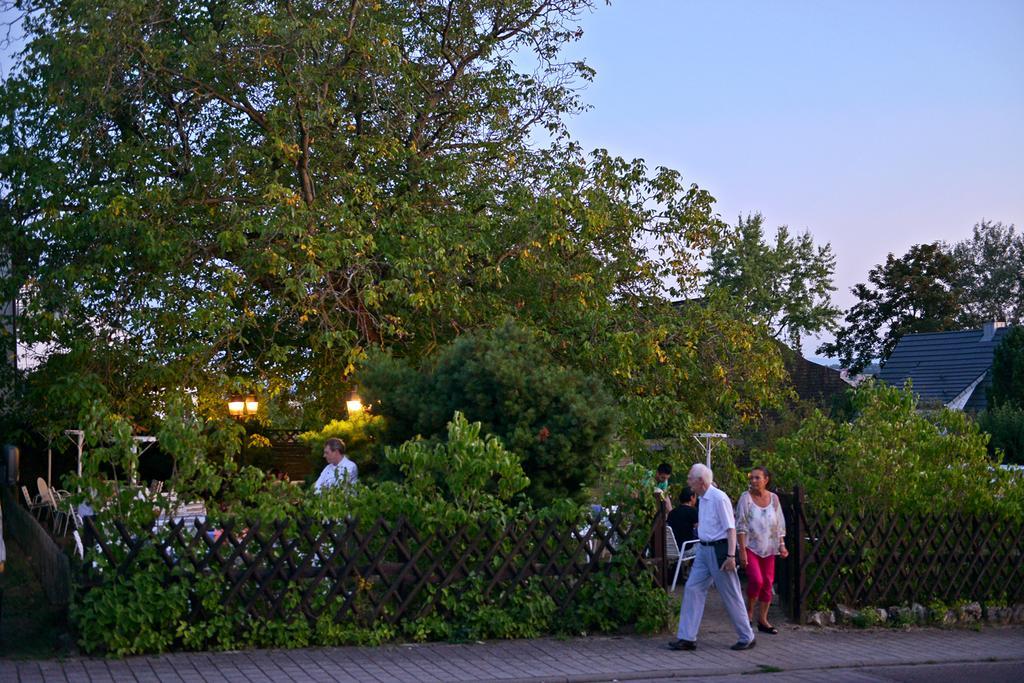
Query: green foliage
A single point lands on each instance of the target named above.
(892, 457)
(608, 602)
(866, 618)
(913, 293)
(247, 196)
(1005, 426)
(787, 285)
(471, 472)
(990, 264)
(557, 420)
(184, 232)
(1008, 371)
(466, 479)
(133, 613)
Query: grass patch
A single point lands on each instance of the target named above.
(765, 669)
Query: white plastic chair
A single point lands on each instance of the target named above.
(70, 517)
(48, 499)
(52, 499)
(34, 505)
(680, 555)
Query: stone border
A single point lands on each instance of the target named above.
(917, 614)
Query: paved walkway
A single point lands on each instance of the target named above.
(802, 653)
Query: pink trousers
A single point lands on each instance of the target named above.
(760, 576)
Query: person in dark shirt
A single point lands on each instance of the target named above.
(683, 518)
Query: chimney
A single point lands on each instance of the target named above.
(988, 330)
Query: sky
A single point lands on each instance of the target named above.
(874, 125)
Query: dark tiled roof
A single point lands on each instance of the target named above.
(943, 364)
(812, 382)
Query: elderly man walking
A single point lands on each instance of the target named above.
(715, 561)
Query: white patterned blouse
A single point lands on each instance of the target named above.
(765, 527)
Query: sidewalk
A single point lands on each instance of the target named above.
(797, 651)
(584, 659)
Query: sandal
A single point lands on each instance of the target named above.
(767, 629)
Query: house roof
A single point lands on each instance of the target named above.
(812, 381)
(942, 365)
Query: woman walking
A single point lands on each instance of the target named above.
(761, 532)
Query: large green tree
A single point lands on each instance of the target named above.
(991, 274)
(787, 284)
(231, 194)
(913, 293)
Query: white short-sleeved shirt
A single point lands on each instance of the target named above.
(714, 515)
(345, 472)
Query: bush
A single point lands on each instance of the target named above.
(1005, 425)
(467, 480)
(1008, 371)
(891, 456)
(557, 420)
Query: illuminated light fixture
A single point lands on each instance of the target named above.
(243, 406)
(236, 406)
(353, 403)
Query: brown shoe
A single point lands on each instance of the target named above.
(682, 645)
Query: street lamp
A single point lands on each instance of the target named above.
(242, 406)
(353, 403)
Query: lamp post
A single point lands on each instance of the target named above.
(353, 404)
(241, 407)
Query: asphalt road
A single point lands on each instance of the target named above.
(974, 672)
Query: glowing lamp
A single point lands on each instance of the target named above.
(353, 403)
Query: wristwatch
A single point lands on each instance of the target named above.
(732, 556)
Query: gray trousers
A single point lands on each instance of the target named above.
(702, 573)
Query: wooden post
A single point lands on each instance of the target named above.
(796, 555)
(658, 544)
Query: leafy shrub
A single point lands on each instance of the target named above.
(133, 613)
(557, 420)
(1005, 425)
(1008, 371)
(440, 486)
(891, 456)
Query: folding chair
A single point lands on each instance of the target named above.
(53, 500)
(33, 505)
(70, 517)
(680, 555)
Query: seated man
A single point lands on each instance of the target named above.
(339, 470)
(683, 519)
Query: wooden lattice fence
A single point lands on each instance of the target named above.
(387, 571)
(879, 558)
